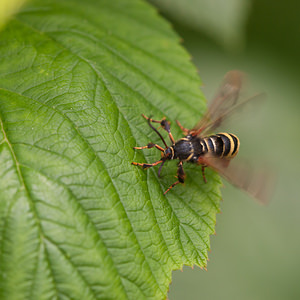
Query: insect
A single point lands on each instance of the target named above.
(202, 147)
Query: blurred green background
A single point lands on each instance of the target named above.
(256, 251)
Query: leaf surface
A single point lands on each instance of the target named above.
(77, 220)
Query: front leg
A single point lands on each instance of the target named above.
(180, 177)
(164, 124)
(149, 146)
(146, 166)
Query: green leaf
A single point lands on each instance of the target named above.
(77, 220)
(224, 21)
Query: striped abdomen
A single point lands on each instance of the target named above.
(221, 145)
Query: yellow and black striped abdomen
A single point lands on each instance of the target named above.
(221, 145)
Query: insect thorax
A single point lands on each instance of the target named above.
(188, 148)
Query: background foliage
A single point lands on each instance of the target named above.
(223, 21)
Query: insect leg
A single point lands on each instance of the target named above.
(151, 120)
(184, 130)
(164, 124)
(180, 176)
(203, 173)
(149, 146)
(146, 166)
(201, 161)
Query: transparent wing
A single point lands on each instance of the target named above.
(226, 102)
(259, 182)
